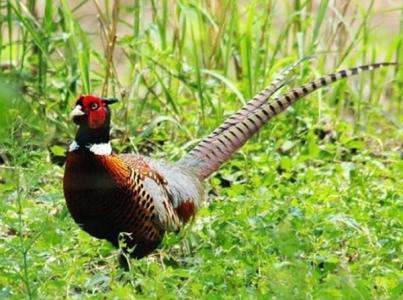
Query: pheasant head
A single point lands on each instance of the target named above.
(93, 117)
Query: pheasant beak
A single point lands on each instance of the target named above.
(109, 101)
(76, 112)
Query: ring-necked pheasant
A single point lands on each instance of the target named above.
(109, 194)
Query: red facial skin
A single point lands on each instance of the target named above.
(95, 108)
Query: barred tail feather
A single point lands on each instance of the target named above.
(213, 151)
(257, 101)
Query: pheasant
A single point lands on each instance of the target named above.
(132, 200)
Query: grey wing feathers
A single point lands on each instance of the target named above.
(178, 187)
(182, 185)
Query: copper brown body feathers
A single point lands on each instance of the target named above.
(125, 198)
(138, 199)
(106, 198)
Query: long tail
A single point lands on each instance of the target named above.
(257, 101)
(219, 146)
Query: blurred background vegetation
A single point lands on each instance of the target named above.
(311, 207)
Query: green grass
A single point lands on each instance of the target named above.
(311, 208)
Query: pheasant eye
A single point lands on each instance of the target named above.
(94, 106)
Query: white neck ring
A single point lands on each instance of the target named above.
(97, 149)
